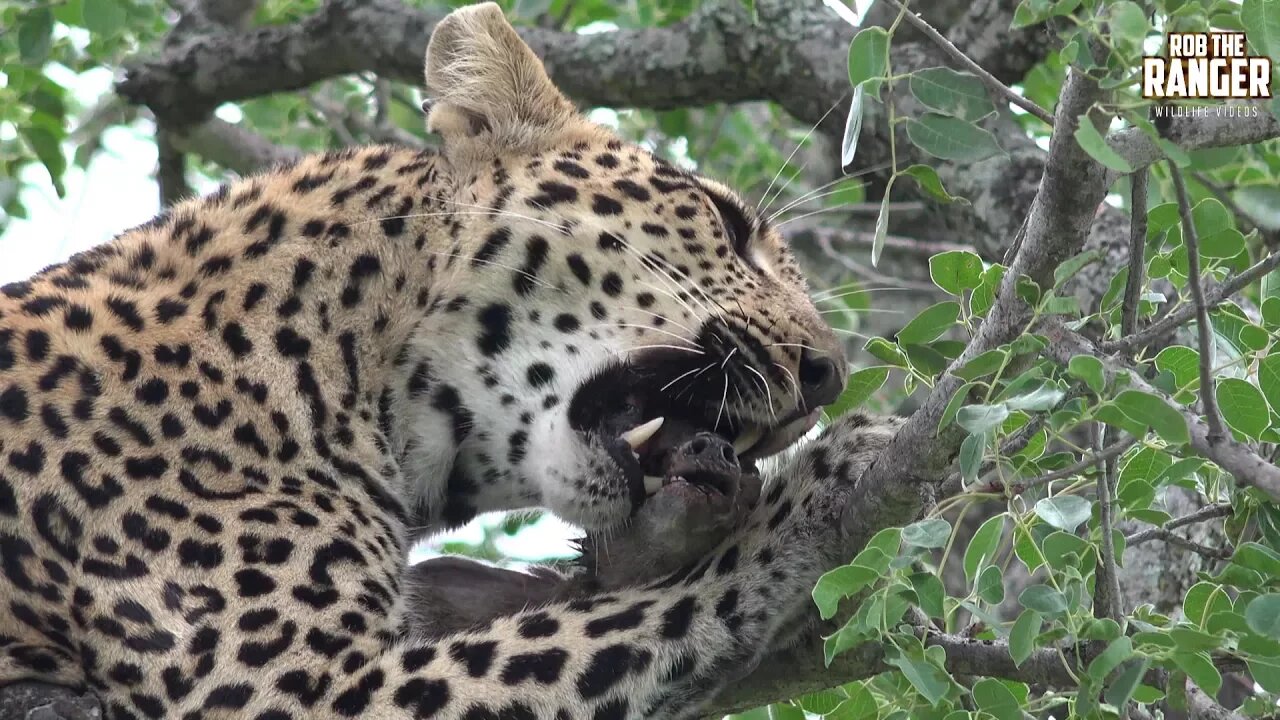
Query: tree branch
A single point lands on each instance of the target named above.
(231, 146)
(905, 477)
(1204, 330)
(1236, 458)
(1202, 707)
(1182, 315)
(993, 84)
(1218, 127)
(1209, 513)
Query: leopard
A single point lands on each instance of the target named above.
(222, 431)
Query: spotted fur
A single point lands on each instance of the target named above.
(220, 432)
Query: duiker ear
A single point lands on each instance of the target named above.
(490, 93)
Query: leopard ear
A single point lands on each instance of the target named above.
(490, 93)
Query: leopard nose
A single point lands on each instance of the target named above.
(822, 377)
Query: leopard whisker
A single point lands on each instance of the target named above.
(792, 156)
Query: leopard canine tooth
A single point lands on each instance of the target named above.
(652, 484)
(746, 439)
(637, 435)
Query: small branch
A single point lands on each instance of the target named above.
(1107, 595)
(1236, 458)
(171, 169)
(1137, 251)
(1113, 450)
(987, 78)
(1208, 513)
(1203, 328)
(1202, 707)
(1215, 553)
(1253, 124)
(233, 147)
(1182, 315)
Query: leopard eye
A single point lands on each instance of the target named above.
(735, 223)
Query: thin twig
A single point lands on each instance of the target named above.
(1207, 513)
(1107, 583)
(1217, 553)
(1180, 316)
(987, 78)
(1137, 251)
(1203, 329)
(1113, 450)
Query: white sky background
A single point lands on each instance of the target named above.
(118, 192)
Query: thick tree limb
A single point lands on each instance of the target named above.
(1216, 127)
(231, 146)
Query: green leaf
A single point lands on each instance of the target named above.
(1266, 672)
(956, 271)
(1128, 23)
(1073, 265)
(1044, 600)
(982, 548)
(1061, 549)
(103, 17)
(1042, 398)
(929, 181)
(1263, 616)
(821, 702)
(868, 55)
(1190, 639)
(1022, 638)
(835, 585)
(1087, 369)
(1065, 512)
(1200, 669)
(1258, 557)
(785, 711)
(931, 533)
(1183, 363)
(994, 697)
(990, 585)
(48, 148)
(1126, 683)
(1225, 243)
(1269, 379)
(972, 450)
(951, 139)
(1243, 406)
(886, 351)
(1262, 17)
(959, 94)
(1118, 651)
(985, 364)
(35, 36)
(882, 227)
(1093, 143)
(862, 384)
(978, 419)
(931, 323)
(984, 296)
(1156, 414)
(929, 592)
(928, 679)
